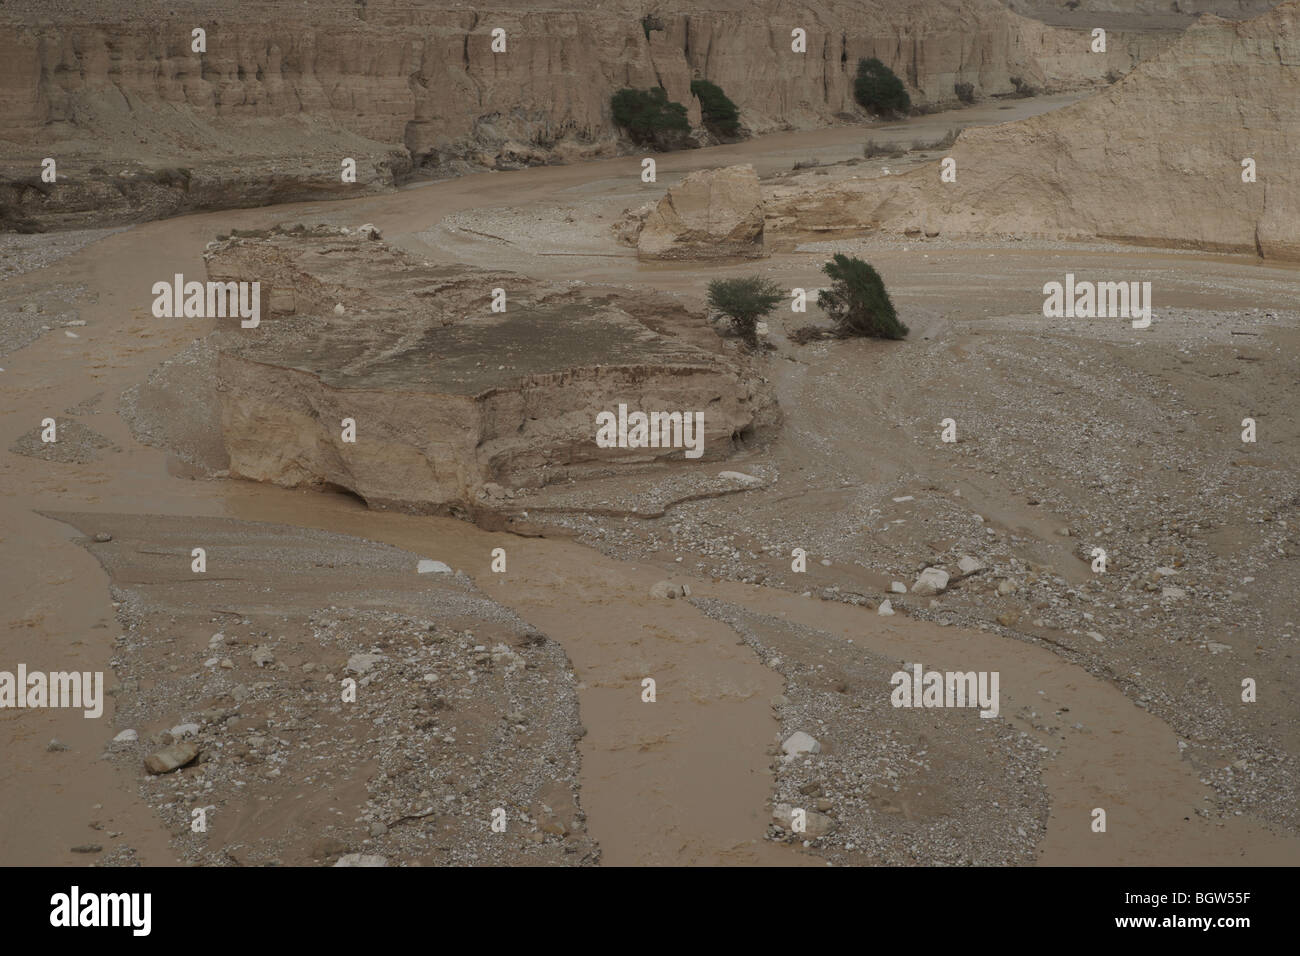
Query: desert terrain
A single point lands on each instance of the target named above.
(496, 587)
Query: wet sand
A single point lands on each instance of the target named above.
(684, 780)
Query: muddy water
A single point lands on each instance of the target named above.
(683, 780)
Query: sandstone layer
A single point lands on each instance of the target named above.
(142, 126)
(1155, 159)
(713, 213)
(449, 399)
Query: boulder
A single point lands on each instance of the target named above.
(930, 581)
(713, 213)
(171, 757)
(801, 743)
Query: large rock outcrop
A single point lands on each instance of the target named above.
(142, 126)
(1156, 159)
(446, 396)
(712, 213)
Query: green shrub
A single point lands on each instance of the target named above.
(857, 301)
(721, 118)
(744, 301)
(878, 90)
(650, 118)
(965, 92)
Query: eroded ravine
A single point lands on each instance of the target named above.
(683, 780)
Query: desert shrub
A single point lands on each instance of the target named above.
(650, 118)
(1113, 77)
(173, 176)
(857, 301)
(1023, 89)
(878, 90)
(872, 149)
(965, 92)
(720, 115)
(808, 333)
(942, 142)
(744, 301)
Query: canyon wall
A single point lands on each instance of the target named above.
(142, 126)
(1155, 159)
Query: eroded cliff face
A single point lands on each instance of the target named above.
(1155, 159)
(446, 397)
(142, 126)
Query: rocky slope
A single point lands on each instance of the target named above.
(142, 126)
(454, 406)
(1155, 159)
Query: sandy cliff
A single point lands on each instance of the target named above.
(143, 127)
(1155, 159)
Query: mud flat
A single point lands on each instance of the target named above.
(1129, 443)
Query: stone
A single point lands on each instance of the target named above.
(428, 566)
(127, 737)
(185, 730)
(171, 757)
(361, 859)
(930, 581)
(262, 656)
(668, 591)
(886, 608)
(103, 537)
(711, 213)
(739, 476)
(363, 663)
(816, 824)
(801, 743)
(898, 587)
(969, 565)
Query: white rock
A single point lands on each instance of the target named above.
(1174, 594)
(363, 663)
(885, 609)
(815, 824)
(339, 310)
(930, 581)
(126, 737)
(185, 730)
(898, 587)
(904, 498)
(740, 476)
(1165, 572)
(801, 743)
(368, 231)
(1095, 636)
(969, 565)
(427, 566)
(361, 859)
